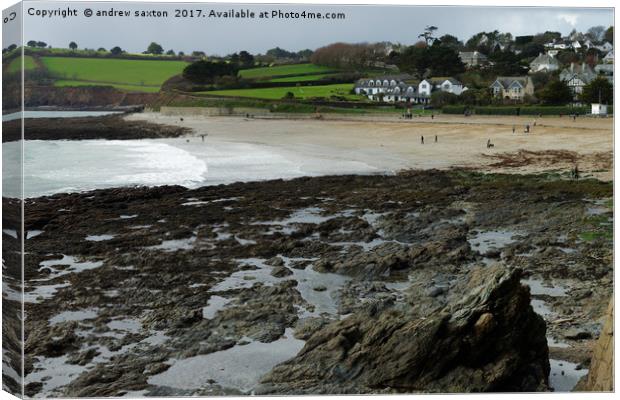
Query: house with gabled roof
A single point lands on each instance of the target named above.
(544, 63)
(404, 88)
(577, 76)
(609, 58)
(512, 87)
(473, 58)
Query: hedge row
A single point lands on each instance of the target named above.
(526, 110)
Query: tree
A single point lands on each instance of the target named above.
(246, 59)
(116, 50)
(207, 71)
(101, 49)
(73, 46)
(451, 41)
(436, 60)
(154, 48)
(32, 43)
(234, 58)
(596, 33)
(598, 91)
(12, 47)
(556, 92)
(41, 44)
(609, 35)
(198, 53)
(181, 54)
(427, 35)
(532, 50)
(170, 52)
(507, 63)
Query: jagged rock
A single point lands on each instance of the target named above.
(487, 338)
(281, 272)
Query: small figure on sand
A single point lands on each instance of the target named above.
(435, 138)
(181, 119)
(574, 117)
(514, 128)
(203, 136)
(489, 144)
(432, 116)
(527, 128)
(422, 139)
(575, 172)
(534, 122)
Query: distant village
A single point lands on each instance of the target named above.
(546, 68)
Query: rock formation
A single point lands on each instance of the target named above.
(487, 338)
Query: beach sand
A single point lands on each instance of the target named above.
(392, 144)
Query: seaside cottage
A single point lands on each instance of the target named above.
(577, 76)
(404, 88)
(512, 87)
(609, 58)
(473, 58)
(544, 63)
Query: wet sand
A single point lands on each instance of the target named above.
(389, 144)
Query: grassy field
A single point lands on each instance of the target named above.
(139, 75)
(301, 92)
(280, 70)
(16, 64)
(304, 78)
(127, 88)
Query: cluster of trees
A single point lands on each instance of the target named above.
(278, 53)
(243, 59)
(210, 72)
(34, 43)
(349, 56)
(423, 60)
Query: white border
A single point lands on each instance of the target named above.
(487, 3)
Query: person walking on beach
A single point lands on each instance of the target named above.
(514, 128)
(527, 128)
(435, 138)
(422, 139)
(432, 116)
(203, 137)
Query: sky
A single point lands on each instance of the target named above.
(221, 36)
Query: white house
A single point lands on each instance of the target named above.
(609, 57)
(445, 84)
(389, 88)
(544, 63)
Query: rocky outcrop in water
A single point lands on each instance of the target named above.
(490, 339)
(111, 127)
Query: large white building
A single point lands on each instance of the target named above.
(404, 88)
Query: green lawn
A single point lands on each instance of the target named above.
(279, 70)
(300, 92)
(127, 88)
(304, 78)
(135, 74)
(16, 64)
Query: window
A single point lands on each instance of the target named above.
(371, 83)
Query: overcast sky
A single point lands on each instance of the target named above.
(223, 36)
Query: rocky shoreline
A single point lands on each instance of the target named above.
(499, 278)
(110, 127)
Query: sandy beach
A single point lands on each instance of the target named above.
(554, 144)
